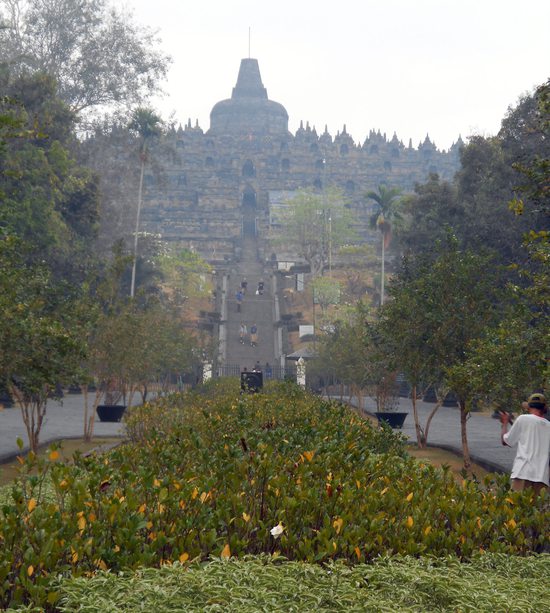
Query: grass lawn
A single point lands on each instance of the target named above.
(442, 457)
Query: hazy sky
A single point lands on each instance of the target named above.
(443, 67)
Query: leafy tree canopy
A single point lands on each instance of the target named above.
(494, 172)
(315, 226)
(48, 200)
(99, 57)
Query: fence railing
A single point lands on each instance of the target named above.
(270, 372)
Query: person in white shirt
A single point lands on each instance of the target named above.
(531, 433)
(243, 332)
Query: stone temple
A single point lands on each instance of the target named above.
(219, 186)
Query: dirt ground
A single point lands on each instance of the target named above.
(442, 457)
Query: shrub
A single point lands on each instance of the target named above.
(492, 582)
(208, 474)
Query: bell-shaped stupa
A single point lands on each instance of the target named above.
(249, 111)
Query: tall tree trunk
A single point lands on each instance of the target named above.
(383, 271)
(429, 421)
(33, 417)
(463, 420)
(138, 213)
(420, 440)
(89, 414)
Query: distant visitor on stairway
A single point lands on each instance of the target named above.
(253, 335)
(243, 333)
(239, 297)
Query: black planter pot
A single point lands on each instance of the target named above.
(404, 390)
(395, 420)
(429, 395)
(110, 412)
(450, 400)
(5, 399)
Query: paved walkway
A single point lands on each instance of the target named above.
(483, 432)
(64, 419)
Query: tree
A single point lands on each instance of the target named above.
(408, 328)
(148, 126)
(161, 349)
(48, 200)
(427, 213)
(513, 359)
(326, 291)
(460, 294)
(315, 226)
(492, 175)
(185, 276)
(386, 203)
(509, 361)
(485, 185)
(40, 345)
(98, 56)
(356, 353)
(357, 265)
(344, 353)
(533, 195)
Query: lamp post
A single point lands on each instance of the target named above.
(314, 323)
(329, 244)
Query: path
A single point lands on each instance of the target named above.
(255, 309)
(64, 419)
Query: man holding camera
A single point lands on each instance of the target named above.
(531, 433)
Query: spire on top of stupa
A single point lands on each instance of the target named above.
(249, 82)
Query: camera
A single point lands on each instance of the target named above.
(511, 416)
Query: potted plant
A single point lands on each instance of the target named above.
(386, 393)
(115, 345)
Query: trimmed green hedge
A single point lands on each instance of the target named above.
(493, 582)
(218, 474)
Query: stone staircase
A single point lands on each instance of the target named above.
(261, 310)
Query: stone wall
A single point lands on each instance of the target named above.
(205, 181)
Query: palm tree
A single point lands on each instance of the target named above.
(386, 199)
(147, 125)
